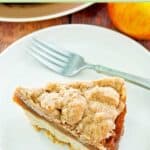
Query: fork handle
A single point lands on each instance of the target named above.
(140, 81)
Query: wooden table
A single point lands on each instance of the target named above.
(96, 14)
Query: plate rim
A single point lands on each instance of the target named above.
(46, 17)
(6, 50)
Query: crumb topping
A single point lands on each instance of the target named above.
(87, 109)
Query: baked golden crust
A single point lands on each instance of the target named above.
(92, 112)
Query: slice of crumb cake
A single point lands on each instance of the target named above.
(86, 115)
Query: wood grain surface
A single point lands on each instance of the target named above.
(96, 14)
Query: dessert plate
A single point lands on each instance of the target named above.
(98, 45)
(30, 12)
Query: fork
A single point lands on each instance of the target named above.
(67, 63)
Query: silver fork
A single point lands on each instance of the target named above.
(68, 63)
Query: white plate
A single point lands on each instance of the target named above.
(30, 12)
(97, 45)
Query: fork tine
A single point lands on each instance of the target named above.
(45, 60)
(39, 48)
(45, 63)
(51, 47)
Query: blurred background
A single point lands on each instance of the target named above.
(131, 19)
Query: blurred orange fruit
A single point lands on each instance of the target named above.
(131, 18)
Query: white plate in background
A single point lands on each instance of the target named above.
(37, 12)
